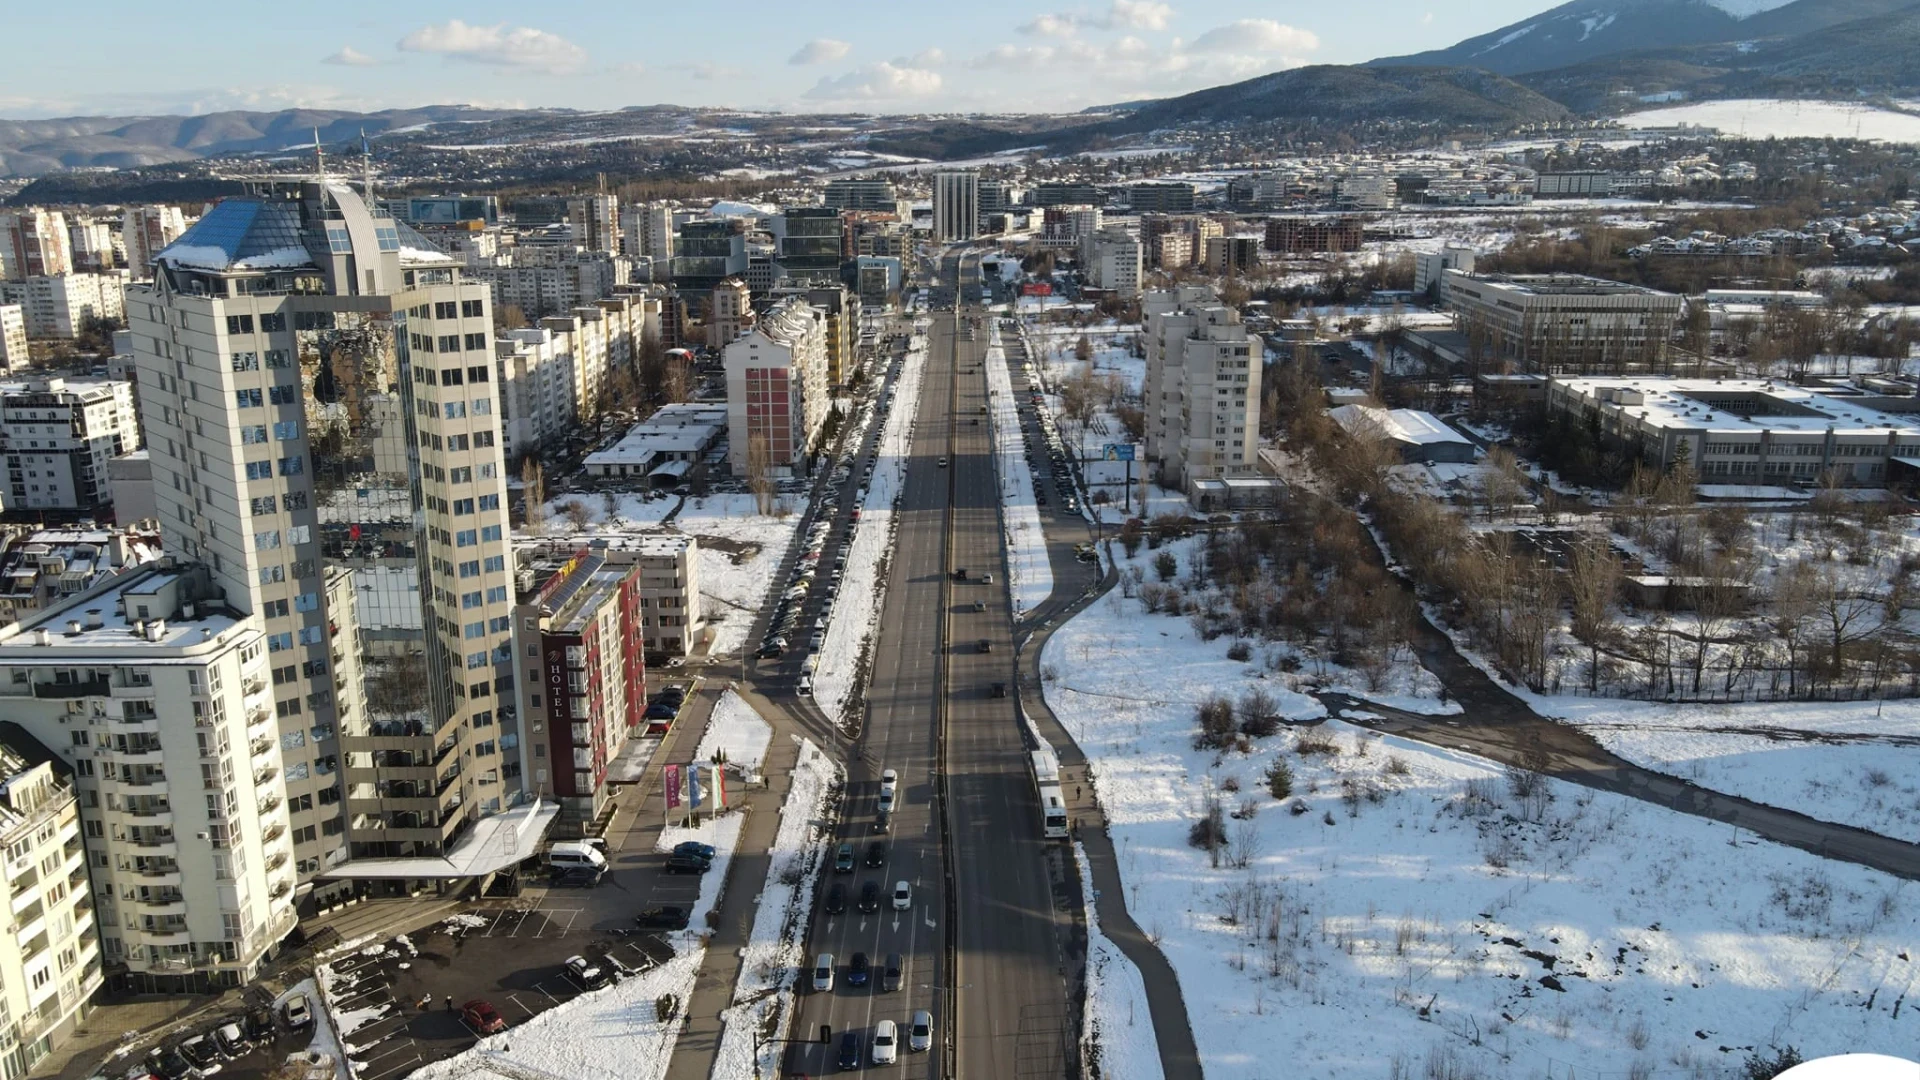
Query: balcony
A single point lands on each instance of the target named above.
(153, 838)
(61, 691)
(141, 778)
(273, 832)
(276, 860)
(260, 745)
(270, 803)
(264, 775)
(253, 684)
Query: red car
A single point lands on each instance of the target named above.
(483, 1017)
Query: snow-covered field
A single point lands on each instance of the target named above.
(763, 997)
(1851, 762)
(1029, 574)
(1409, 911)
(1116, 1030)
(736, 731)
(856, 609)
(1766, 118)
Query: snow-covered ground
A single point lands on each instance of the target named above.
(1766, 118)
(1116, 1030)
(1410, 911)
(1029, 574)
(736, 730)
(857, 607)
(776, 952)
(1850, 762)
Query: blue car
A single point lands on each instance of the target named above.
(660, 710)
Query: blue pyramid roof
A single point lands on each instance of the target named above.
(244, 233)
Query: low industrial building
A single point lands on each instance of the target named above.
(1421, 438)
(1561, 323)
(668, 448)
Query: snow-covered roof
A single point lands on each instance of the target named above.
(1400, 425)
(241, 234)
(495, 843)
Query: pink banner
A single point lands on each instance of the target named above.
(671, 778)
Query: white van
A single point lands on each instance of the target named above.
(569, 853)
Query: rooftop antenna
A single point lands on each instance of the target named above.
(366, 164)
(319, 159)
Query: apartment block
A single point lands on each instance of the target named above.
(13, 338)
(1201, 394)
(45, 568)
(1561, 323)
(156, 696)
(93, 244)
(596, 221)
(64, 306)
(1225, 255)
(583, 683)
(319, 387)
(50, 964)
(777, 391)
(730, 312)
(553, 377)
(144, 230)
(57, 436)
(956, 206)
(1112, 260)
(1313, 235)
(34, 243)
(842, 310)
(544, 281)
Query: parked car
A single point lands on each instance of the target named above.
(588, 975)
(575, 877)
(482, 1017)
(661, 710)
(232, 1039)
(297, 1012)
(201, 1053)
(695, 847)
(661, 918)
(260, 1024)
(167, 1064)
(920, 1032)
(686, 864)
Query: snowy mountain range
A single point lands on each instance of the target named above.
(1583, 31)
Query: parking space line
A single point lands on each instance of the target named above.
(522, 1005)
(495, 924)
(570, 913)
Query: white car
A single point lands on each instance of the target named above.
(889, 779)
(886, 1044)
(823, 973)
(902, 896)
(920, 1032)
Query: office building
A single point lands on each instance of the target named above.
(44, 568)
(50, 964)
(57, 436)
(996, 197)
(842, 311)
(1201, 394)
(1430, 268)
(318, 383)
(34, 243)
(444, 210)
(858, 194)
(583, 684)
(730, 312)
(810, 244)
(956, 206)
(157, 696)
(707, 252)
(777, 391)
(1561, 323)
(1742, 431)
(1111, 259)
(144, 230)
(535, 211)
(1163, 198)
(877, 280)
(65, 306)
(1065, 193)
(596, 221)
(13, 338)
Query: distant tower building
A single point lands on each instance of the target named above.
(956, 206)
(34, 243)
(732, 313)
(647, 231)
(145, 230)
(596, 221)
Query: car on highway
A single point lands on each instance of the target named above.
(849, 1051)
(999, 689)
(859, 969)
(843, 859)
(877, 853)
(870, 896)
(836, 902)
(920, 1032)
(661, 917)
(585, 974)
(482, 1017)
(890, 973)
(885, 1043)
(823, 973)
(902, 895)
(943, 463)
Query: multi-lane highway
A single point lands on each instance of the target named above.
(987, 946)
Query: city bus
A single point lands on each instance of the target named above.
(1046, 784)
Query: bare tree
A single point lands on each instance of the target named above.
(1593, 579)
(533, 489)
(759, 472)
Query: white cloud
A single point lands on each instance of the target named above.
(348, 56)
(521, 48)
(1056, 25)
(925, 58)
(877, 82)
(1138, 15)
(705, 72)
(820, 51)
(1256, 35)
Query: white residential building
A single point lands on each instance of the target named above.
(1112, 259)
(647, 232)
(62, 307)
(50, 964)
(34, 243)
(13, 338)
(543, 281)
(777, 391)
(93, 244)
(57, 436)
(1201, 395)
(552, 376)
(956, 206)
(732, 312)
(596, 221)
(157, 696)
(46, 567)
(144, 230)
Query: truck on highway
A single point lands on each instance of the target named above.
(1046, 784)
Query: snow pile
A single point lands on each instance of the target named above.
(1468, 922)
(1851, 762)
(736, 731)
(862, 596)
(1029, 574)
(615, 1033)
(1118, 1029)
(776, 952)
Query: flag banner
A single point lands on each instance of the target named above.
(693, 786)
(671, 780)
(719, 787)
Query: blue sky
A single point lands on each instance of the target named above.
(114, 57)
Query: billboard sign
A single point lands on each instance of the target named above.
(1036, 288)
(1117, 452)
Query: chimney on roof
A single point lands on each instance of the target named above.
(94, 620)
